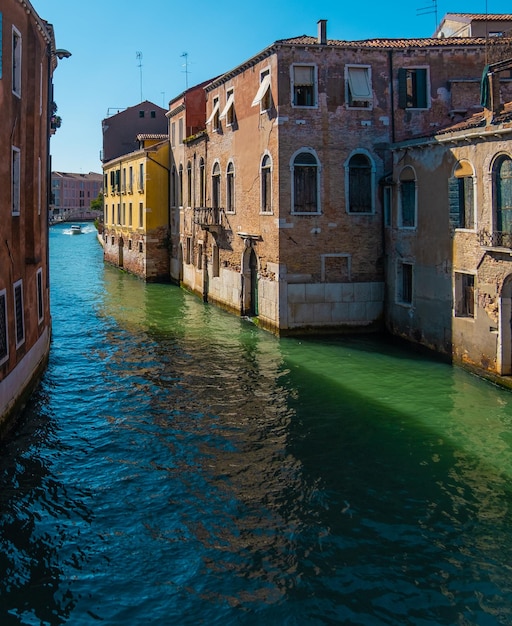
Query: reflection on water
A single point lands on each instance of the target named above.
(180, 466)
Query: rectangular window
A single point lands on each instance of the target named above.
(1, 31)
(130, 180)
(464, 295)
(16, 174)
(214, 118)
(413, 91)
(124, 214)
(16, 61)
(404, 283)
(263, 96)
(19, 316)
(200, 256)
(215, 260)
(228, 112)
(188, 250)
(304, 86)
(173, 134)
(141, 247)
(462, 207)
(141, 177)
(141, 215)
(4, 337)
(40, 302)
(407, 204)
(123, 188)
(130, 214)
(118, 214)
(358, 86)
(180, 130)
(387, 200)
(130, 244)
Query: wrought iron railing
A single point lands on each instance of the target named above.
(496, 239)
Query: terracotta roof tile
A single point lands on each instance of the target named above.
(306, 40)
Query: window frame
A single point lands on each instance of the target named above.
(230, 188)
(19, 313)
(314, 86)
(464, 306)
(402, 184)
(349, 98)
(15, 181)
(349, 186)
(318, 168)
(408, 75)
(498, 207)
(216, 185)
(228, 112)
(4, 327)
(214, 118)
(400, 298)
(16, 50)
(40, 295)
(462, 196)
(266, 169)
(263, 96)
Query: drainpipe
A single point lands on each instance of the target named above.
(391, 95)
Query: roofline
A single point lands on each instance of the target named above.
(387, 45)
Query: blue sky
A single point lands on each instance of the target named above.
(104, 37)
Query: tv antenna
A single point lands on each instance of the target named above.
(185, 65)
(429, 10)
(139, 59)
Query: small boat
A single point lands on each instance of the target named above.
(76, 229)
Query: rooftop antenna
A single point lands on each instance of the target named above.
(185, 65)
(429, 10)
(139, 59)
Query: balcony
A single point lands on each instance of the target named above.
(208, 218)
(495, 240)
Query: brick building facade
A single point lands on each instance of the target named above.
(284, 220)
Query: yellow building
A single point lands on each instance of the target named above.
(136, 209)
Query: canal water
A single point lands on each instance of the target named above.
(179, 466)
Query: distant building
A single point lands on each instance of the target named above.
(136, 209)
(120, 130)
(72, 195)
(474, 25)
(26, 67)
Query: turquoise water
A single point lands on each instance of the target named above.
(180, 466)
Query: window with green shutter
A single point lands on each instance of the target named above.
(413, 88)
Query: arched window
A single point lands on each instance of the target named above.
(360, 187)
(407, 208)
(230, 188)
(189, 184)
(305, 183)
(201, 182)
(266, 184)
(503, 194)
(180, 185)
(461, 196)
(174, 187)
(216, 186)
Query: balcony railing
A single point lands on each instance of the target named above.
(209, 218)
(496, 239)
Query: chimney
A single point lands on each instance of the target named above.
(322, 32)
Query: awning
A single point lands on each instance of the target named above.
(214, 112)
(263, 88)
(359, 82)
(229, 104)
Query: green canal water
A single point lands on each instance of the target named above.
(179, 466)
